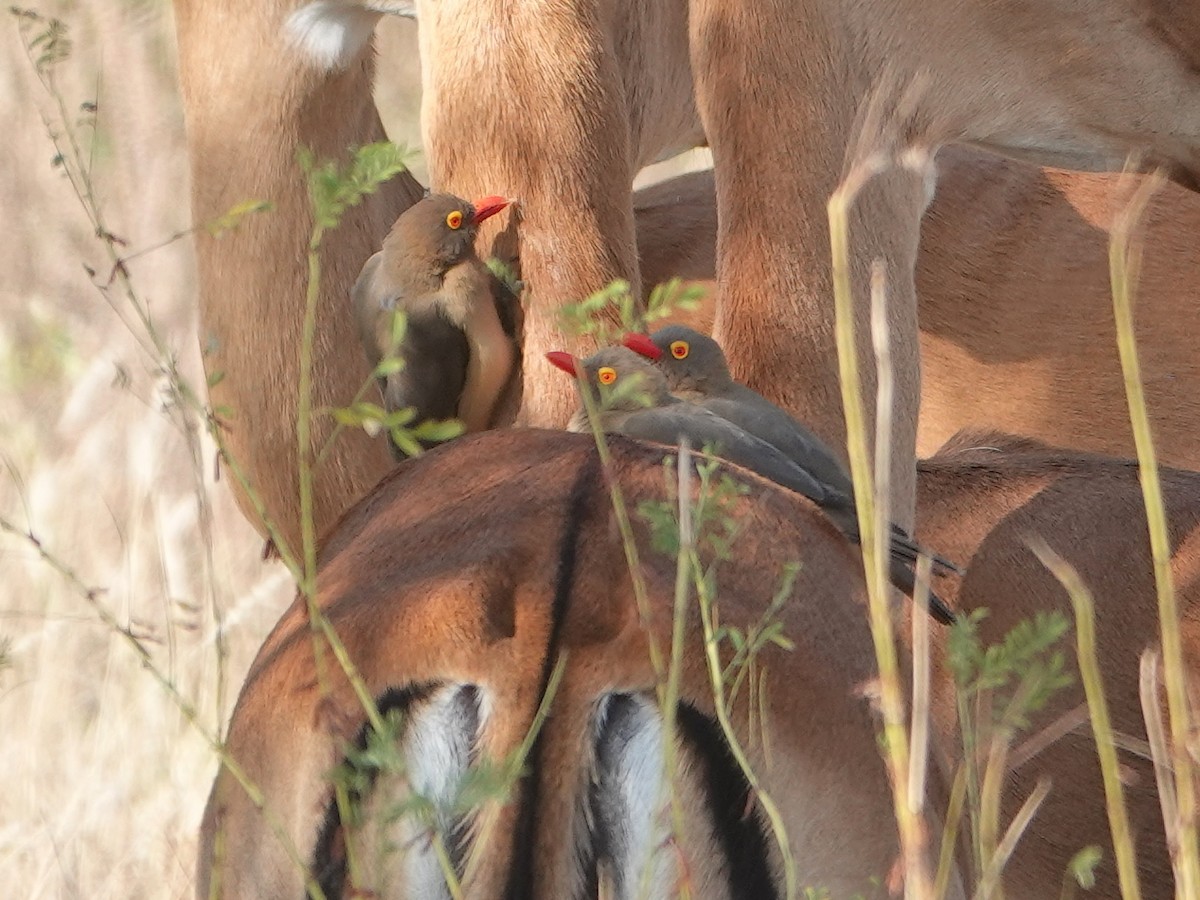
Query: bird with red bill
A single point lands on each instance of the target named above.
(647, 410)
(696, 370)
(458, 356)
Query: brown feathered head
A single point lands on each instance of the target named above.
(438, 232)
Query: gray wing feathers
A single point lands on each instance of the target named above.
(751, 411)
(759, 416)
(666, 425)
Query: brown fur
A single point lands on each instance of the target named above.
(782, 89)
(250, 102)
(451, 568)
(1017, 327)
(1014, 301)
(419, 595)
(259, 86)
(980, 498)
(790, 95)
(597, 113)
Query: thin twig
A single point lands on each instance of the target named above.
(918, 759)
(1093, 688)
(1160, 753)
(912, 839)
(1124, 263)
(989, 882)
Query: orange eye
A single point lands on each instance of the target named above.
(679, 349)
(454, 220)
(606, 375)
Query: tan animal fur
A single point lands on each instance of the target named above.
(980, 498)
(1014, 301)
(564, 100)
(250, 102)
(598, 90)
(791, 92)
(786, 92)
(542, 572)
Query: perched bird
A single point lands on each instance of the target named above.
(697, 372)
(457, 354)
(631, 396)
(695, 368)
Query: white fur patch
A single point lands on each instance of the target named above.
(923, 161)
(333, 32)
(633, 782)
(437, 745)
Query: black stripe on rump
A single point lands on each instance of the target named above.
(520, 872)
(736, 823)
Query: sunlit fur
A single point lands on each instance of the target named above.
(790, 96)
(782, 90)
(476, 565)
(470, 569)
(1014, 301)
(250, 102)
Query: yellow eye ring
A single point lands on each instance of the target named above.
(455, 219)
(680, 349)
(606, 375)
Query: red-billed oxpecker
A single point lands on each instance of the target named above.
(457, 356)
(696, 371)
(631, 397)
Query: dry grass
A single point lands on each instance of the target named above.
(103, 778)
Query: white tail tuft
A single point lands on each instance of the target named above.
(333, 32)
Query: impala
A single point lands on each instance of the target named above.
(567, 99)
(561, 102)
(250, 103)
(462, 580)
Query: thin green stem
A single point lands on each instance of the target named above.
(990, 880)
(514, 766)
(954, 809)
(625, 529)
(1124, 261)
(446, 865)
(670, 698)
(916, 881)
(713, 660)
(663, 674)
(1093, 688)
(994, 773)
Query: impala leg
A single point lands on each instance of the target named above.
(250, 103)
(535, 112)
(557, 104)
(779, 120)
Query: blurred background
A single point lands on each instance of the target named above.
(102, 777)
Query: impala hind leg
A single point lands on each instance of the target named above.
(251, 102)
(779, 145)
